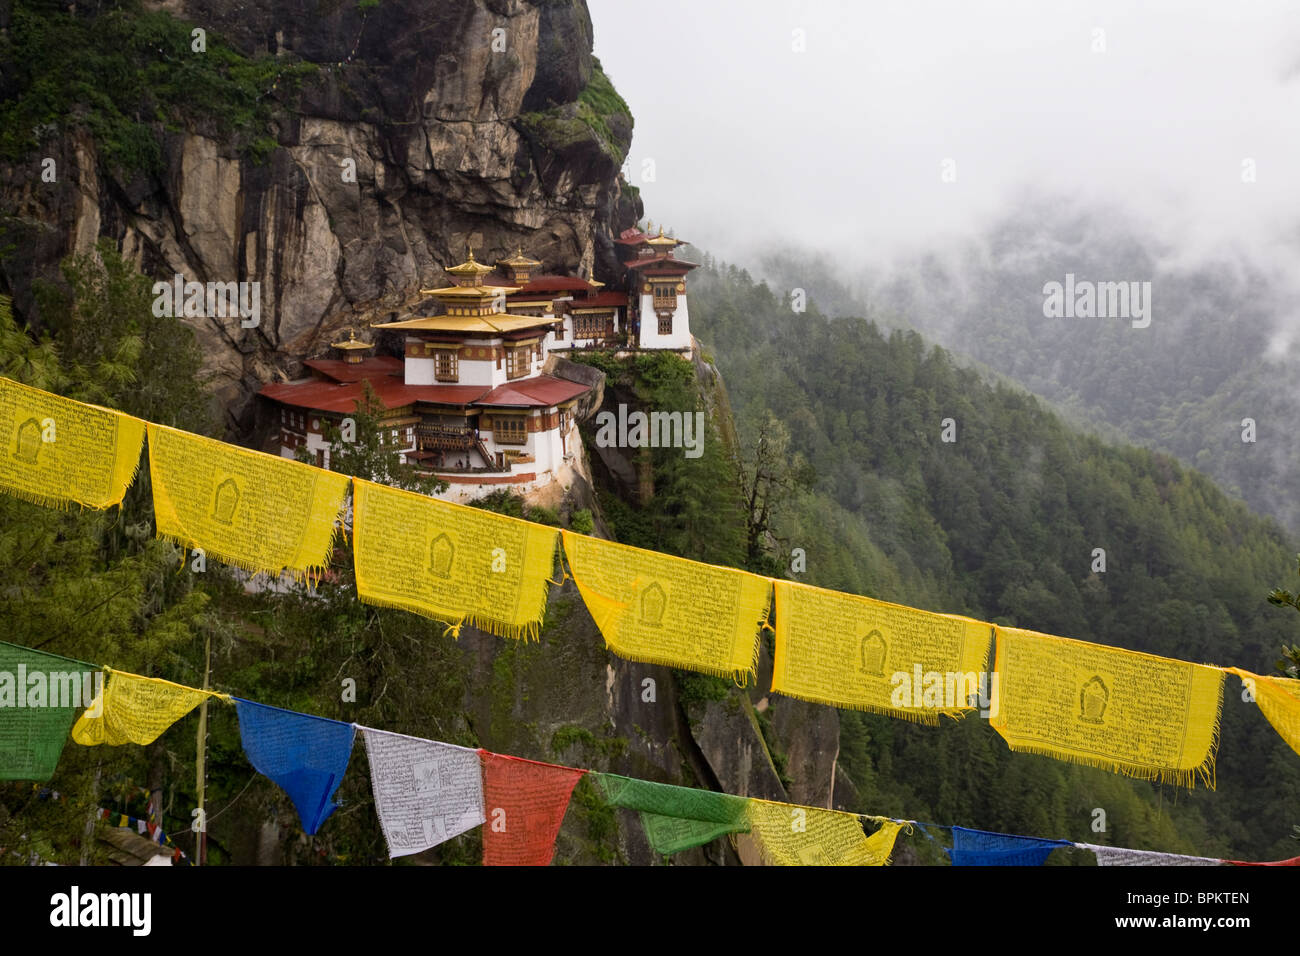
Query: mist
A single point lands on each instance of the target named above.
(902, 127)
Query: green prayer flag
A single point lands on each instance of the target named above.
(40, 696)
(676, 818)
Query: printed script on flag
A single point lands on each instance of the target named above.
(253, 510)
(676, 818)
(135, 710)
(809, 836)
(663, 610)
(851, 651)
(305, 755)
(426, 792)
(58, 451)
(449, 562)
(1123, 711)
(1279, 701)
(524, 802)
(32, 737)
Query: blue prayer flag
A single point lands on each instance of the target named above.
(307, 756)
(980, 848)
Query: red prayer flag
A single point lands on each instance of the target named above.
(524, 802)
(1294, 861)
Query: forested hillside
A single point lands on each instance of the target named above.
(1219, 347)
(1002, 523)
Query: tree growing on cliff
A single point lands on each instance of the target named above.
(1289, 663)
(771, 476)
(114, 350)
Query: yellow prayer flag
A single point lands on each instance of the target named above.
(810, 836)
(1123, 711)
(851, 651)
(134, 710)
(1279, 701)
(451, 562)
(253, 510)
(659, 609)
(59, 451)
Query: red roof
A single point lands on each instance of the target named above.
(324, 396)
(374, 366)
(331, 397)
(535, 392)
(662, 262)
(551, 283)
(446, 394)
(599, 300)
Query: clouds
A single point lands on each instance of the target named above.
(902, 124)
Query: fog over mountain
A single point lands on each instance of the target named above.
(934, 166)
(1157, 110)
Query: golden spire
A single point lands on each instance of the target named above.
(470, 267)
(352, 348)
(662, 240)
(519, 260)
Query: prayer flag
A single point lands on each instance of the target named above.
(676, 818)
(134, 710)
(981, 848)
(305, 755)
(253, 510)
(425, 792)
(1279, 701)
(660, 609)
(851, 651)
(59, 451)
(1294, 861)
(40, 695)
(450, 562)
(1119, 856)
(1123, 711)
(525, 803)
(810, 836)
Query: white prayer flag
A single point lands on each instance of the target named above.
(425, 792)
(1119, 856)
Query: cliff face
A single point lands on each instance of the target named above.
(458, 135)
(427, 126)
(643, 720)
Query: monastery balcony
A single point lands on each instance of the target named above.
(427, 465)
(445, 437)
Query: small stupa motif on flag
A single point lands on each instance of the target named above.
(1092, 701)
(653, 604)
(29, 442)
(873, 653)
(225, 501)
(441, 553)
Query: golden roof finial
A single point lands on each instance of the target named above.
(352, 345)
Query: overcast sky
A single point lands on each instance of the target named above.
(843, 145)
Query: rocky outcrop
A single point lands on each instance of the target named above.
(427, 126)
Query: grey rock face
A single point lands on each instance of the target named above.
(430, 125)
